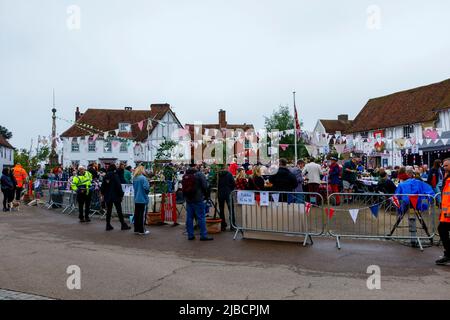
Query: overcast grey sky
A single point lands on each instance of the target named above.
(246, 56)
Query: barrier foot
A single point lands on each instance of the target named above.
(420, 244)
(236, 233)
(305, 242)
(338, 243)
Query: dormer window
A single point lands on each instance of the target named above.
(124, 127)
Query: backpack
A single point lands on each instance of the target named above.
(189, 183)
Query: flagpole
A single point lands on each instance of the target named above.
(295, 133)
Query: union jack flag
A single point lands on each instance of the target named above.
(395, 201)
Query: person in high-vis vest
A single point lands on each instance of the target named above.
(21, 176)
(444, 225)
(81, 184)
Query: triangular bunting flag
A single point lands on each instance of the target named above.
(308, 207)
(141, 125)
(395, 201)
(354, 214)
(329, 212)
(375, 209)
(276, 198)
(444, 141)
(413, 200)
(428, 141)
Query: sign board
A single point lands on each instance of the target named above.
(264, 199)
(246, 197)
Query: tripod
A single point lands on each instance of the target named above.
(415, 240)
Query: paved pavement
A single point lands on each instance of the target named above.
(37, 247)
(14, 295)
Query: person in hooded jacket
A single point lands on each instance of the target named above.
(7, 186)
(112, 192)
(225, 186)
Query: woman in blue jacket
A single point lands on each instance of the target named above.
(141, 188)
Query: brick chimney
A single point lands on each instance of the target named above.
(222, 119)
(343, 117)
(77, 114)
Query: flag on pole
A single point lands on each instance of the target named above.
(297, 123)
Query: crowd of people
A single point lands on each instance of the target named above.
(196, 182)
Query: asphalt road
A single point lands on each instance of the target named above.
(37, 246)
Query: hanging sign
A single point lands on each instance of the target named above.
(246, 197)
(264, 199)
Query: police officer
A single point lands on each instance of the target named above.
(81, 184)
(444, 225)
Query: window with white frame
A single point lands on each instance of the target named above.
(124, 147)
(75, 145)
(124, 127)
(91, 145)
(407, 131)
(107, 146)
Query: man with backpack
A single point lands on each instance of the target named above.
(195, 188)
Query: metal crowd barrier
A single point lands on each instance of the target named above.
(59, 195)
(437, 217)
(284, 213)
(377, 216)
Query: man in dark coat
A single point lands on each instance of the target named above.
(284, 180)
(113, 194)
(225, 186)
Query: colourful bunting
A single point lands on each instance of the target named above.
(374, 209)
(276, 198)
(141, 125)
(354, 214)
(329, 212)
(308, 206)
(395, 201)
(413, 200)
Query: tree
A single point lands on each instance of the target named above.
(5, 133)
(282, 120)
(28, 161)
(165, 149)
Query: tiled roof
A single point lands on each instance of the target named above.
(5, 143)
(332, 126)
(402, 108)
(109, 119)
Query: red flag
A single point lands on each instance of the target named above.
(308, 206)
(297, 123)
(414, 200)
(330, 212)
(395, 201)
